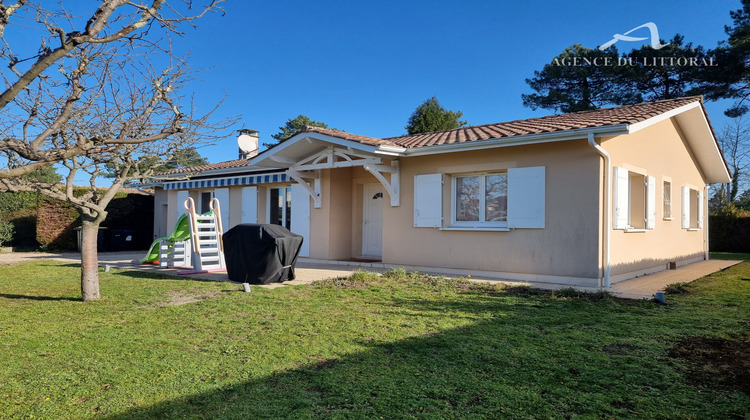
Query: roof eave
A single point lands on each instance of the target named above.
(693, 121)
(266, 159)
(520, 140)
(207, 172)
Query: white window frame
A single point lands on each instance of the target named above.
(482, 204)
(687, 217)
(667, 201)
(285, 219)
(622, 213)
(200, 203)
(635, 219)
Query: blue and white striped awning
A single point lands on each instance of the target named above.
(225, 182)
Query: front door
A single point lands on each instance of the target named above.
(372, 223)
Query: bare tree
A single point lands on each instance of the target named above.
(735, 143)
(106, 95)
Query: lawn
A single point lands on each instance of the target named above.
(398, 346)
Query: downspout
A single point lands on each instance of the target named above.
(706, 218)
(607, 210)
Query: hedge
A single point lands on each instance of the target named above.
(20, 210)
(43, 222)
(729, 230)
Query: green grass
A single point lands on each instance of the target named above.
(730, 256)
(397, 346)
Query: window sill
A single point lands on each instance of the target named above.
(634, 230)
(693, 229)
(477, 228)
(667, 218)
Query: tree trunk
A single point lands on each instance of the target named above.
(735, 186)
(90, 259)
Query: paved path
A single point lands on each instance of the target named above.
(641, 287)
(311, 271)
(645, 287)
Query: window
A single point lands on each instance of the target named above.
(692, 208)
(637, 215)
(634, 200)
(694, 205)
(280, 206)
(206, 201)
(667, 200)
(494, 201)
(480, 199)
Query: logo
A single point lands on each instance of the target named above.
(655, 43)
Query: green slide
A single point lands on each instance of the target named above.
(181, 233)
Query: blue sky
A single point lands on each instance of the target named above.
(364, 66)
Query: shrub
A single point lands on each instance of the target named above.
(14, 201)
(6, 232)
(358, 280)
(24, 226)
(729, 230)
(676, 288)
(400, 273)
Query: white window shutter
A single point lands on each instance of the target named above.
(651, 203)
(250, 205)
(526, 197)
(428, 200)
(181, 197)
(300, 220)
(685, 207)
(620, 198)
(222, 194)
(700, 209)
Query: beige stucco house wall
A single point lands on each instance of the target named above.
(660, 151)
(596, 168)
(566, 248)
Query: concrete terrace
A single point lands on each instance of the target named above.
(309, 270)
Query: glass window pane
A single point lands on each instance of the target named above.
(288, 220)
(275, 207)
(205, 202)
(467, 198)
(667, 199)
(496, 198)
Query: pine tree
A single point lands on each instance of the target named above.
(431, 116)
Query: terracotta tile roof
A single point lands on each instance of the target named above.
(627, 114)
(346, 136)
(228, 164)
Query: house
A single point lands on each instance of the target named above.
(586, 199)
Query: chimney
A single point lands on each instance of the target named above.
(248, 143)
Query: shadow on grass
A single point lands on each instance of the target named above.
(144, 274)
(449, 375)
(534, 358)
(41, 298)
(139, 274)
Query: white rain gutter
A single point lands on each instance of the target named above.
(607, 210)
(705, 222)
(518, 140)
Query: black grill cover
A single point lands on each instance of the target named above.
(261, 254)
